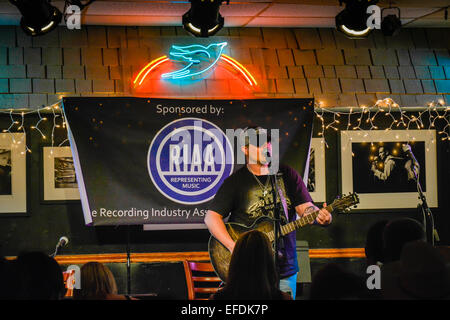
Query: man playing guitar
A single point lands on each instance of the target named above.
(247, 195)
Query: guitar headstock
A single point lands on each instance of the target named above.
(343, 203)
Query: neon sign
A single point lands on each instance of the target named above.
(198, 61)
(201, 57)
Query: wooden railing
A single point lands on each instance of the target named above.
(168, 257)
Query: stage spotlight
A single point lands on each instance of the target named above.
(80, 3)
(38, 16)
(203, 19)
(391, 24)
(352, 21)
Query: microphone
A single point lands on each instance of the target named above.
(63, 241)
(408, 151)
(268, 155)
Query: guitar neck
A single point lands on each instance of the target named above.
(303, 221)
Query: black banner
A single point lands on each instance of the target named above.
(160, 161)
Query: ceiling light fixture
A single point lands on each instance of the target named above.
(203, 18)
(80, 3)
(391, 24)
(352, 21)
(38, 16)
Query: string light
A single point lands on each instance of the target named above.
(14, 113)
(36, 127)
(435, 111)
(368, 116)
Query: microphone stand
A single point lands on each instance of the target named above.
(57, 250)
(54, 254)
(426, 211)
(128, 261)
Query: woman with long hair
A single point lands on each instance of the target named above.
(97, 283)
(252, 273)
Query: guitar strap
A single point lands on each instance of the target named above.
(283, 202)
(282, 197)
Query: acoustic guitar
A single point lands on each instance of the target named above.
(220, 256)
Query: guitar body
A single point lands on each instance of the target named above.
(220, 256)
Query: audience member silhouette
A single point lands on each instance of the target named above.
(97, 283)
(420, 273)
(412, 269)
(5, 279)
(39, 277)
(399, 232)
(252, 274)
(331, 282)
(374, 243)
(9, 280)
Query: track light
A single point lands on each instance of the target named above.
(80, 3)
(352, 21)
(391, 24)
(38, 16)
(203, 19)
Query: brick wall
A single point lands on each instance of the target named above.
(413, 67)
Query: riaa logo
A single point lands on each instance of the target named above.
(188, 160)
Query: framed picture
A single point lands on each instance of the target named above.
(378, 167)
(13, 185)
(316, 182)
(59, 179)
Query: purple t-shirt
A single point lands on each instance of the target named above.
(244, 200)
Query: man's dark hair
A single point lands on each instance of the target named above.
(331, 282)
(399, 232)
(40, 277)
(374, 247)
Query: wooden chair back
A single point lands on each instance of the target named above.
(201, 279)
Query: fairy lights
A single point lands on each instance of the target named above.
(16, 125)
(36, 127)
(367, 118)
(400, 118)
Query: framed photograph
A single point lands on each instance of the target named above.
(380, 166)
(59, 179)
(316, 182)
(13, 185)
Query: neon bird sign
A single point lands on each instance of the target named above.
(195, 55)
(198, 59)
